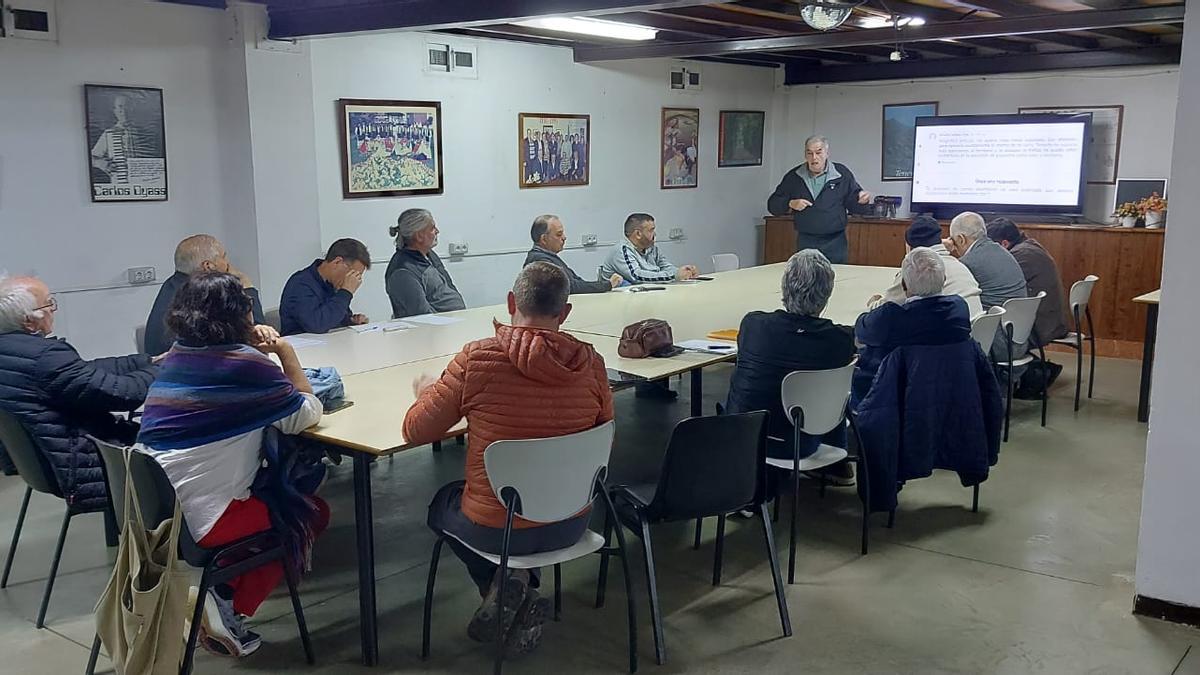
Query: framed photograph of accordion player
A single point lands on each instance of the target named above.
(126, 143)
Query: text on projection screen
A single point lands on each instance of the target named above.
(1028, 164)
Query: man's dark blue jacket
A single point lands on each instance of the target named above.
(936, 320)
(931, 407)
(58, 398)
(310, 304)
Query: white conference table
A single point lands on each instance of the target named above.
(378, 368)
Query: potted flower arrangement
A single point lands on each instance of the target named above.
(1128, 214)
(1153, 209)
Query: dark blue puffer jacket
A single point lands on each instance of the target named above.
(930, 407)
(59, 397)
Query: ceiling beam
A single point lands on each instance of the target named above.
(986, 65)
(721, 17)
(679, 25)
(959, 30)
(354, 17)
(1133, 37)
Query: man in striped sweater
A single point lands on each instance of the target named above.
(638, 260)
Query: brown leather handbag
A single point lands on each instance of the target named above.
(651, 337)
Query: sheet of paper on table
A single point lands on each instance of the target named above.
(709, 346)
(297, 341)
(394, 324)
(433, 319)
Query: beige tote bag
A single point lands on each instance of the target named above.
(140, 616)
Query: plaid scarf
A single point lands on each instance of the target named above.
(208, 394)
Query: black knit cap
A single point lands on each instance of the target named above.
(923, 231)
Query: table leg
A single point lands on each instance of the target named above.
(364, 525)
(697, 392)
(1147, 362)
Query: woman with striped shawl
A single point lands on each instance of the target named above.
(205, 423)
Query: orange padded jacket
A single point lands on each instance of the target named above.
(523, 383)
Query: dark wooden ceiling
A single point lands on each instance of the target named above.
(959, 37)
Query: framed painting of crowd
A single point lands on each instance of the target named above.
(680, 149)
(390, 148)
(553, 150)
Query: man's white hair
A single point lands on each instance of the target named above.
(969, 224)
(816, 138)
(17, 304)
(191, 253)
(807, 283)
(923, 272)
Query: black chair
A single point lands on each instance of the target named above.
(713, 466)
(38, 476)
(218, 565)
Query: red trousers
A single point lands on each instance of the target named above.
(242, 519)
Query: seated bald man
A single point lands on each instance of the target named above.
(196, 254)
(549, 239)
(58, 397)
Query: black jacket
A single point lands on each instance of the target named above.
(58, 397)
(933, 406)
(773, 344)
(578, 284)
(936, 320)
(159, 338)
(823, 225)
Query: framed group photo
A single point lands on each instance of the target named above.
(390, 148)
(127, 144)
(899, 136)
(680, 149)
(741, 138)
(553, 150)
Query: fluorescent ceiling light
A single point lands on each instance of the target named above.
(586, 26)
(886, 21)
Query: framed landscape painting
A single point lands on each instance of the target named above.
(899, 135)
(680, 149)
(390, 148)
(741, 138)
(126, 143)
(553, 150)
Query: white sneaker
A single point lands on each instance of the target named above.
(222, 630)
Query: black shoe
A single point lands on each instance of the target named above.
(482, 627)
(526, 632)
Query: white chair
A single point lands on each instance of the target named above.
(1017, 326)
(815, 401)
(725, 262)
(552, 479)
(1081, 294)
(984, 327)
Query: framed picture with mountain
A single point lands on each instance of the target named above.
(899, 134)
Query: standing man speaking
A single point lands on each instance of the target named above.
(817, 194)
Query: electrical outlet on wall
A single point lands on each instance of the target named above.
(590, 240)
(140, 275)
(676, 233)
(458, 249)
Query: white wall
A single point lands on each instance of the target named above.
(850, 116)
(1168, 548)
(48, 224)
(482, 204)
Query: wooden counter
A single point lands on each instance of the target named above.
(1127, 260)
